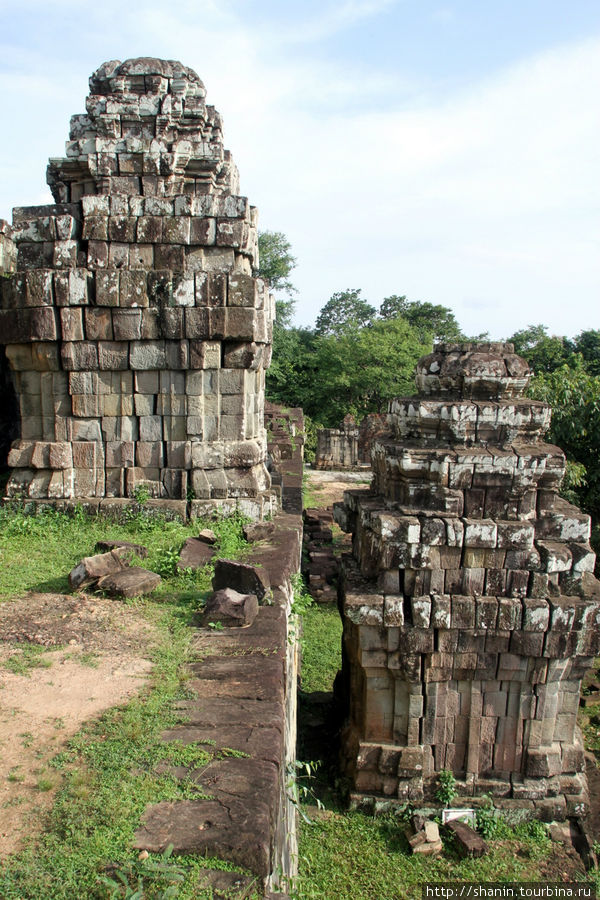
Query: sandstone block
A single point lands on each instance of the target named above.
(242, 577)
(92, 568)
(130, 582)
(230, 608)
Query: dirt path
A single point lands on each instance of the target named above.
(63, 660)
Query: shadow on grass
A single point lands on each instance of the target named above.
(58, 585)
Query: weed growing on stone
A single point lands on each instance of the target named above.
(446, 790)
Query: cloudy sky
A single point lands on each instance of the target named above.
(448, 150)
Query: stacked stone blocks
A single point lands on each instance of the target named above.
(136, 330)
(470, 609)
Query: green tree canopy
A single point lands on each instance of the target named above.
(588, 344)
(276, 261)
(432, 321)
(344, 313)
(543, 352)
(574, 395)
(360, 372)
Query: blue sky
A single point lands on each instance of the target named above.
(448, 151)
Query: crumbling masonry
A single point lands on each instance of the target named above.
(135, 328)
(470, 609)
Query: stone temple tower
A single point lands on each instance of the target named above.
(134, 325)
(470, 608)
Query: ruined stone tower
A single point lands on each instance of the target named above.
(135, 328)
(469, 605)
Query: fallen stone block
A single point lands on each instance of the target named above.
(195, 554)
(258, 531)
(208, 536)
(137, 549)
(242, 577)
(130, 582)
(230, 608)
(91, 568)
(468, 841)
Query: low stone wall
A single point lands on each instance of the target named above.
(285, 446)
(245, 685)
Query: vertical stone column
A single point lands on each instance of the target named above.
(469, 603)
(135, 327)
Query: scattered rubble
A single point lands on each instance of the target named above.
(111, 573)
(129, 582)
(195, 554)
(469, 843)
(320, 565)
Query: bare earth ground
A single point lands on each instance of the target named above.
(327, 487)
(97, 658)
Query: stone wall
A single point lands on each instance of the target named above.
(135, 328)
(243, 683)
(470, 609)
(285, 442)
(9, 412)
(349, 446)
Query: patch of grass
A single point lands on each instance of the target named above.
(45, 784)
(27, 657)
(321, 647)
(111, 770)
(39, 549)
(89, 658)
(310, 497)
(351, 856)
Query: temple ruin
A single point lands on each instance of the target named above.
(136, 330)
(469, 605)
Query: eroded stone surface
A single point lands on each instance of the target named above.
(242, 577)
(195, 554)
(470, 609)
(230, 608)
(244, 687)
(137, 333)
(130, 582)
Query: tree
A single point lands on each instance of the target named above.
(345, 312)
(276, 261)
(360, 372)
(431, 321)
(543, 352)
(293, 369)
(588, 344)
(574, 395)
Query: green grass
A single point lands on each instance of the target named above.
(310, 497)
(115, 766)
(351, 856)
(37, 552)
(321, 647)
(27, 657)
